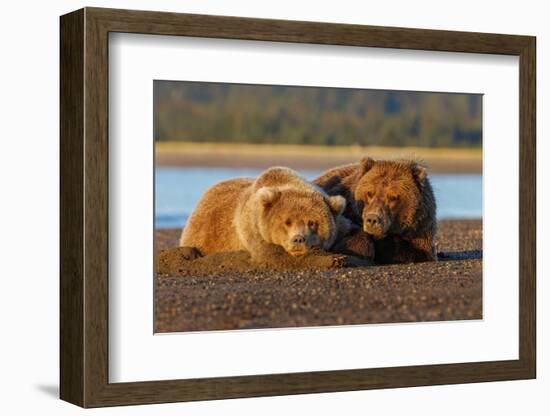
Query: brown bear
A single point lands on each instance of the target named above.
(393, 202)
(274, 217)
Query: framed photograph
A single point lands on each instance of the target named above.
(254, 207)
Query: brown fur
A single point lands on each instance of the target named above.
(394, 204)
(277, 214)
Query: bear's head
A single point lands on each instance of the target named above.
(299, 220)
(390, 195)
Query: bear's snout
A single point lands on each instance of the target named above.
(373, 220)
(375, 224)
(298, 245)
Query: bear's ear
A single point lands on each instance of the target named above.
(336, 203)
(366, 164)
(268, 196)
(420, 173)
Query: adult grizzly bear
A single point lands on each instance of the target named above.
(276, 217)
(394, 203)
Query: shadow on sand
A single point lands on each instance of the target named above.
(460, 255)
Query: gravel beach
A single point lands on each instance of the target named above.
(221, 299)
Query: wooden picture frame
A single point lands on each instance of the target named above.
(84, 207)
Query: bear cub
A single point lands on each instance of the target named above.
(276, 217)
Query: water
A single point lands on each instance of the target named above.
(178, 190)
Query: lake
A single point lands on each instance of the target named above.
(177, 191)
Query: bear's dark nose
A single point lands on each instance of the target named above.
(298, 239)
(373, 219)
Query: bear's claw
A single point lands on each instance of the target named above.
(339, 261)
(189, 253)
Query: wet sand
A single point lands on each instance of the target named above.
(214, 296)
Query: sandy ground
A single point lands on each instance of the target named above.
(218, 299)
(308, 157)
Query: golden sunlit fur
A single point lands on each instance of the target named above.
(393, 201)
(278, 213)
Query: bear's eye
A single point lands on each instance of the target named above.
(312, 225)
(288, 222)
(393, 198)
(370, 194)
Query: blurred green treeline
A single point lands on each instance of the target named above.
(220, 112)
